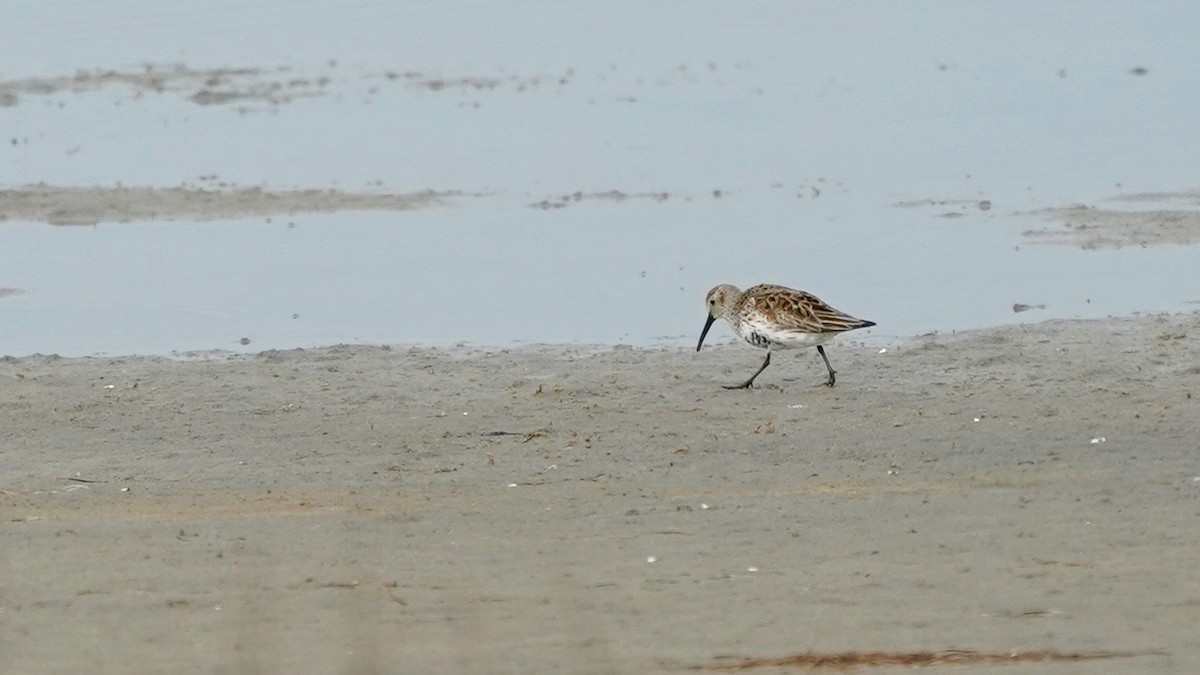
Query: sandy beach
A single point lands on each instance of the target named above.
(1022, 490)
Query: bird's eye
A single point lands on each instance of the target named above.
(712, 302)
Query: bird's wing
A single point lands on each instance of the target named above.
(791, 310)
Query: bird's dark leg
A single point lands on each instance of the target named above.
(832, 372)
(747, 383)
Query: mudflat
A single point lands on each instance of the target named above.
(1021, 490)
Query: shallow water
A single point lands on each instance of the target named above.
(786, 138)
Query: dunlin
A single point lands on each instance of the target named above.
(777, 317)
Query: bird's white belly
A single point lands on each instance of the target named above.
(769, 337)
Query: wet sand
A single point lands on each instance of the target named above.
(93, 205)
(553, 509)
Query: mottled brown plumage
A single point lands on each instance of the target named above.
(771, 316)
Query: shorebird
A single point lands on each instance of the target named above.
(777, 317)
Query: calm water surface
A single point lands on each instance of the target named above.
(783, 134)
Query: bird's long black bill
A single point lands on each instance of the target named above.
(707, 324)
